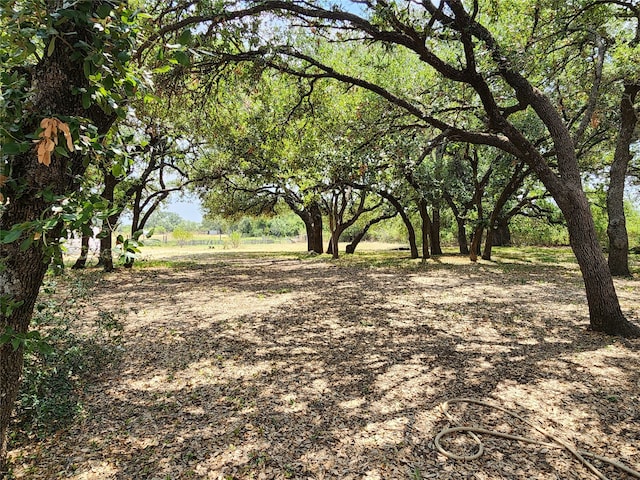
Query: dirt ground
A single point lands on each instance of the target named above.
(240, 366)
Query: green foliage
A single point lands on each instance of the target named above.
(632, 214)
(392, 231)
(128, 248)
(284, 226)
(235, 238)
(281, 225)
(30, 341)
(164, 219)
(53, 378)
(182, 235)
(537, 231)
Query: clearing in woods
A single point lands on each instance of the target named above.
(246, 365)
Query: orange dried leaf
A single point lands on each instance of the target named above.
(51, 127)
(44, 151)
(67, 134)
(3, 180)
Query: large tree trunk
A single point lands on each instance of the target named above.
(604, 308)
(311, 236)
(501, 235)
(20, 280)
(434, 234)
(312, 218)
(463, 243)
(58, 76)
(616, 228)
(314, 237)
(565, 185)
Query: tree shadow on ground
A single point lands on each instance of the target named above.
(286, 368)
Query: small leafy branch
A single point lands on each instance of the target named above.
(31, 341)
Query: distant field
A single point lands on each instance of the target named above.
(162, 251)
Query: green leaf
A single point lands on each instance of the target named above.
(12, 148)
(182, 58)
(104, 10)
(43, 347)
(117, 170)
(108, 82)
(185, 37)
(86, 68)
(26, 243)
(8, 236)
(86, 100)
(30, 47)
(60, 150)
(52, 46)
(163, 69)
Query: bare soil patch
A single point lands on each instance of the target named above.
(241, 366)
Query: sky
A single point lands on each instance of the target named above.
(188, 208)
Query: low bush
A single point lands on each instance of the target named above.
(57, 369)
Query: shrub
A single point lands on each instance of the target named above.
(235, 239)
(182, 235)
(53, 377)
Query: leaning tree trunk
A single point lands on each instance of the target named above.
(59, 76)
(604, 308)
(411, 235)
(495, 227)
(411, 232)
(564, 183)
(351, 247)
(355, 241)
(605, 314)
(616, 228)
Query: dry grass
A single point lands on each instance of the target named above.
(243, 366)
